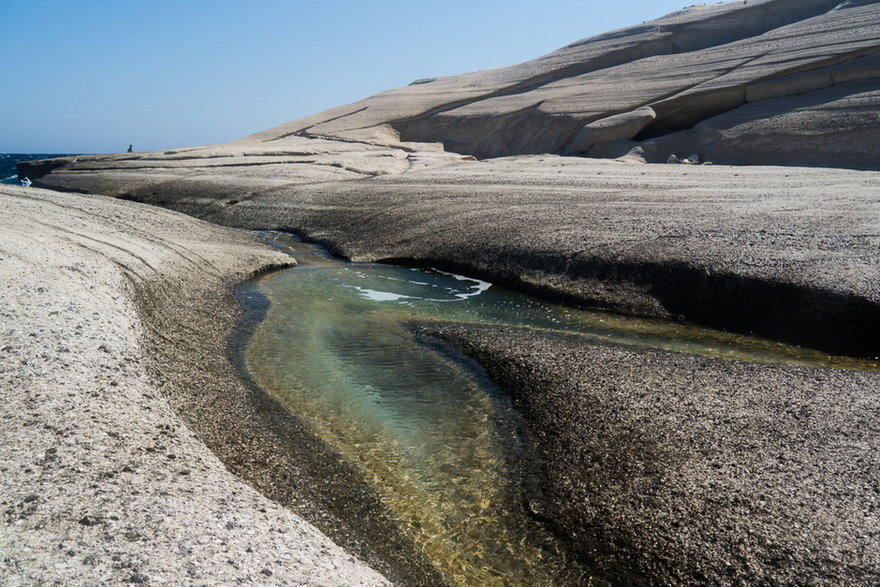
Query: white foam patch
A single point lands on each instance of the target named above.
(379, 296)
(479, 288)
(389, 278)
(476, 288)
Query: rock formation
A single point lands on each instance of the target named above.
(651, 80)
(674, 470)
(538, 176)
(108, 403)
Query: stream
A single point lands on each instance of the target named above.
(441, 447)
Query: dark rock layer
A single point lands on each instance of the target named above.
(667, 469)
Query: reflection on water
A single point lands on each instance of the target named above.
(439, 445)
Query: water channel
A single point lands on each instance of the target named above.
(439, 445)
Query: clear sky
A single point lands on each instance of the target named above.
(94, 76)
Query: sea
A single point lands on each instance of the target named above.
(8, 173)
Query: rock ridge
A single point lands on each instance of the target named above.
(784, 253)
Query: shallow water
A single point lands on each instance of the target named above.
(442, 448)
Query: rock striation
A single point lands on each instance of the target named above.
(687, 68)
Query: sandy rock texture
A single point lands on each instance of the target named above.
(788, 253)
(668, 469)
(105, 477)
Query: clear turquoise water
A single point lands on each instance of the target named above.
(434, 439)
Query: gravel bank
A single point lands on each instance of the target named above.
(112, 363)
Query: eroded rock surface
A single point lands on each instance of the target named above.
(788, 253)
(667, 469)
(688, 67)
(104, 477)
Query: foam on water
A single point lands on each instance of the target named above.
(425, 291)
(379, 296)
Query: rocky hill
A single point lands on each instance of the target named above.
(797, 81)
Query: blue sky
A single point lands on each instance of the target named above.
(97, 75)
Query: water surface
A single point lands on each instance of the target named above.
(442, 448)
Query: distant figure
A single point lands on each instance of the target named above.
(130, 150)
(26, 182)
